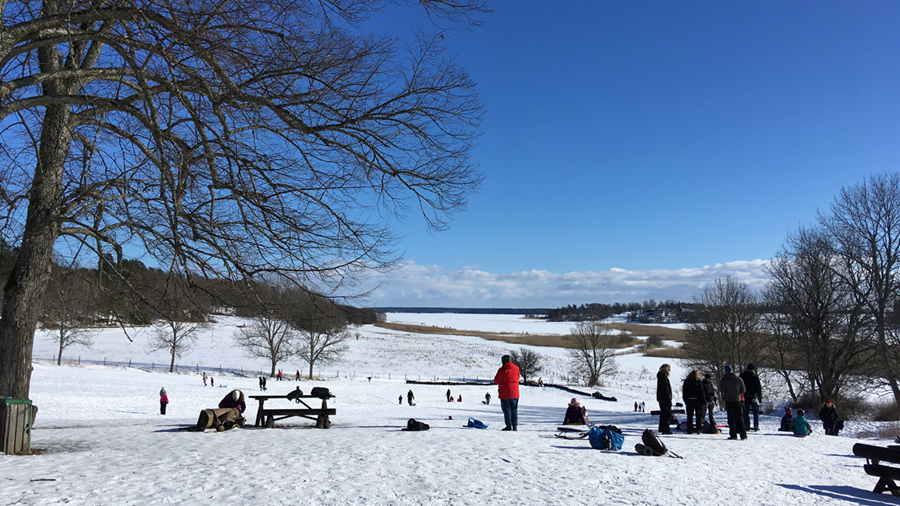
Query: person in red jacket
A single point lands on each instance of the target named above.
(507, 380)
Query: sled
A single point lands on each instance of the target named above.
(572, 432)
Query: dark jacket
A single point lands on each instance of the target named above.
(574, 415)
(731, 387)
(663, 389)
(753, 386)
(692, 392)
(229, 402)
(709, 390)
(828, 415)
(507, 380)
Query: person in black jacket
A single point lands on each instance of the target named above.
(752, 397)
(709, 389)
(664, 397)
(694, 400)
(829, 416)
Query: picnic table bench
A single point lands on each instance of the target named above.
(266, 417)
(875, 457)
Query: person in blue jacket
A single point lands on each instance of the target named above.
(801, 424)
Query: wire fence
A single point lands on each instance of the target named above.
(319, 374)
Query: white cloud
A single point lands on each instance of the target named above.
(433, 286)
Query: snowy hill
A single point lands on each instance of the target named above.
(104, 441)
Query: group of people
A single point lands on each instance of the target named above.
(638, 407)
(742, 395)
(212, 382)
(800, 426)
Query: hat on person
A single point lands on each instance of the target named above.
(235, 395)
(800, 412)
(728, 369)
(707, 376)
(828, 401)
(787, 409)
(750, 367)
(573, 401)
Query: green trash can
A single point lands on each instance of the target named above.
(15, 425)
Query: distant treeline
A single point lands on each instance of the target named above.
(649, 311)
(139, 295)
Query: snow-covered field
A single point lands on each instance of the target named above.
(103, 440)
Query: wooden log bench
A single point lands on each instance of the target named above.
(675, 411)
(876, 458)
(266, 417)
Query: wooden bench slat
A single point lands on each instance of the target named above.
(298, 412)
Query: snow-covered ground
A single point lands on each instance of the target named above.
(103, 440)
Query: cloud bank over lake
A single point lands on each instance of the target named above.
(434, 286)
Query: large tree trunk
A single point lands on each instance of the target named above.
(24, 290)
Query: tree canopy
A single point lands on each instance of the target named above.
(237, 139)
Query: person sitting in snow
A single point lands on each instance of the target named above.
(574, 414)
(786, 420)
(234, 399)
(802, 427)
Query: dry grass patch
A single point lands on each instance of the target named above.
(554, 340)
(665, 352)
(664, 333)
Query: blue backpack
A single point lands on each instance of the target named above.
(476, 424)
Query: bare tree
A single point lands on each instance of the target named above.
(592, 351)
(324, 333)
(819, 321)
(230, 139)
(268, 337)
(67, 311)
(865, 224)
(529, 362)
(727, 327)
(174, 337)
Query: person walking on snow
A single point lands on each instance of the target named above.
(753, 396)
(163, 400)
(664, 397)
(449, 396)
(204, 379)
(487, 398)
(507, 381)
(410, 398)
(732, 389)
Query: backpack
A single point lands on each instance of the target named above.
(652, 442)
(476, 424)
(414, 425)
(606, 437)
(320, 392)
(295, 395)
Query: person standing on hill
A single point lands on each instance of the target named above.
(163, 400)
(664, 397)
(410, 398)
(449, 396)
(694, 400)
(829, 416)
(753, 396)
(507, 381)
(204, 378)
(709, 390)
(732, 389)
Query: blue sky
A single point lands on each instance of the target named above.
(653, 137)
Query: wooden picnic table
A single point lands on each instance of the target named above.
(266, 417)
